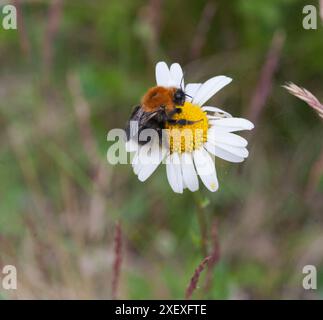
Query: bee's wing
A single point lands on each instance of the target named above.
(135, 113)
(222, 115)
(216, 113)
(140, 118)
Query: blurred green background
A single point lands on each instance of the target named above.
(73, 71)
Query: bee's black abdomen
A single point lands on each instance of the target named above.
(145, 120)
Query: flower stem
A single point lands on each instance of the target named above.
(201, 204)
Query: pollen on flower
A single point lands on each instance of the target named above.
(186, 138)
(213, 186)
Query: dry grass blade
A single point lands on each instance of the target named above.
(202, 29)
(195, 278)
(306, 96)
(53, 24)
(98, 168)
(315, 175)
(23, 38)
(265, 83)
(117, 260)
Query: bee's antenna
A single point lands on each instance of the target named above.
(181, 85)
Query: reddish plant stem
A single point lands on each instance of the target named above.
(195, 278)
(214, 258)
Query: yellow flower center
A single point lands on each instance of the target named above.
(190, 136)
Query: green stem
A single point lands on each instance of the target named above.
(201, 217)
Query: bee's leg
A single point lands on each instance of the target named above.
(178, 110)
(182, 122)
(172, 113)
(160, 135)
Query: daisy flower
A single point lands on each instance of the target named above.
(190, 149)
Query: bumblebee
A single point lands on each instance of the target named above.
(158, 106)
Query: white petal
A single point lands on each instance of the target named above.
(174, 173)
(156, 157)
(147, 159)
(232, 124)
(176, 74)
(225, 155)
(135, 163)
(227, 138)
(240, 152)
(184, 185)
(191, 89)
(210, 88)
(162, 74)
(206, 169)
(216, 110)
(189, 174)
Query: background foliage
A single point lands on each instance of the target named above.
(74, 70)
